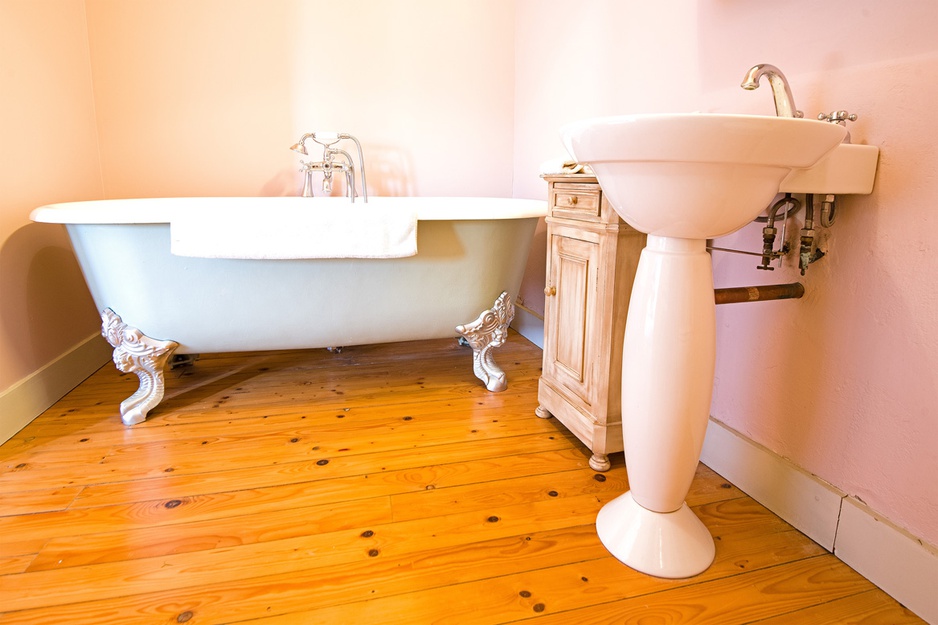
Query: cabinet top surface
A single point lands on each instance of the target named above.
(569, 177)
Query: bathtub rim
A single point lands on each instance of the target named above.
(161, 210)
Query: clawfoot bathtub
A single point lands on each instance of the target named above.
(470, 252)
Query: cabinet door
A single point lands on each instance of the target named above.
(568, 343)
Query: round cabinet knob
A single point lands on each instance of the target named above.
(573, 200)
(550, 291)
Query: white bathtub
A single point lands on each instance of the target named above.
(155, 304)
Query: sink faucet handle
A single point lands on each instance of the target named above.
(838, 117)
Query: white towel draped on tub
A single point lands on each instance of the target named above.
(281, 232)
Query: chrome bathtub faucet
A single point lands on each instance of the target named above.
(329, 164)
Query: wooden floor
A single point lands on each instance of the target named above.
(382, 484)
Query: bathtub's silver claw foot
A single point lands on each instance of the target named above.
(486, 333)
(135, 352)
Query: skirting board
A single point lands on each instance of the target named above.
(889, 557)
(31, 396)
(529, 325)
(808, 503)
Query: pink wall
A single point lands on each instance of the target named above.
(844, 382)
(49, 153)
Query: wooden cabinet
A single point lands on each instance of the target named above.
(592, 256)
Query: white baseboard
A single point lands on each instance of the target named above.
(529, 325)
(890, 557)
(808, 503)
(31, 396)
(898, 563)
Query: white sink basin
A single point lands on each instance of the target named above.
(696, 175)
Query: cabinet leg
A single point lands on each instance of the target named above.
(542, 412)
(600, 462)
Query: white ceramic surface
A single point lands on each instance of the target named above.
(681, 179)
(696, 175)
(847, 169)
(667, 369)
(161, 210)
(672, 545)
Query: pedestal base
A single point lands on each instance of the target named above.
(672, 545)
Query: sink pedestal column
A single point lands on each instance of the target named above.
(667, 384)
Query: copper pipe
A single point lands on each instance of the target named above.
(758, 293)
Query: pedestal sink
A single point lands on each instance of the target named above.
(682, 179)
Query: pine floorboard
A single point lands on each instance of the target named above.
(381, 484)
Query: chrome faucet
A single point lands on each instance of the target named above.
(784, 102)
(328, 165)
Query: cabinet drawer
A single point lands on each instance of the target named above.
(576, 201)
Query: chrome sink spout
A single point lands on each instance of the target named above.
(784, 102)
